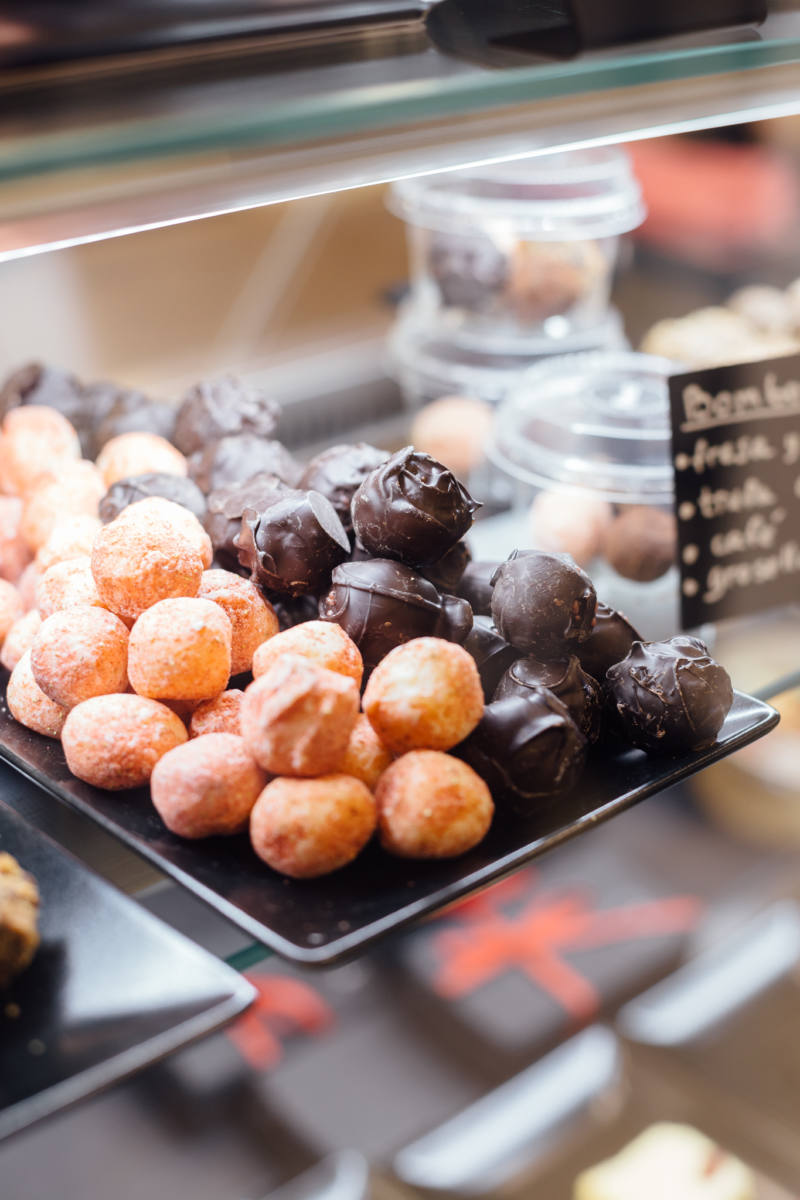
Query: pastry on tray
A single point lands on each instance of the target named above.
(19, 907)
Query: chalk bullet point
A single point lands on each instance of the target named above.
(690, 555)
(686, 510)
(690, 587)
(682, 461)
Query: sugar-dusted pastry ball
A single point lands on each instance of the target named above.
(139, 454)
(454, 430)
(80, 652)
(424, 695)
(180, 650)
(322, 642)
(366, 757)
(15, 553)
(27, 585)
(297, 719)
(71, 537)
(29, 705)
(11, 608)
(20, 638)
(65, 585)
(570, 522)
(137, 563)
(220, 715)
(75, 490)
(35, 441)
(431, 805)
(309, 827)
(207, 786)
(252, 619)
(155, 509)
(113, 742)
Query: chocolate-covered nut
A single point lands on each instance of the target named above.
(543, 603)
(294, 610)
(642, 543)
(446, 573)
(339, 472)
(176, 488)
(493, 655)
(226, 507)
(669, 696)
(411, 508)
(237, 458)
(382, 604)
(526, 748)
(219, 408)
(610, 640)
(475, 585)
(294, 544)
(579, 692)
(468, 269)
(128, 411)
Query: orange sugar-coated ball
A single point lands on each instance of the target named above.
(366, 757)
(207, 786)
(138, 454)
(15, 553)
(80, 652)
(157, 509)
(322, 642)
(20, 638)
(424, 695)
(309, 827)
(252, 620)
(431, 805)
(71, 537)
(297, 719)
(66, 585)
(180, 650)
(75, 490)
(113, 742)
(220, 715)
(11, 608)
(29, 705)
(35, 441)
(137, 563)
(27, 585)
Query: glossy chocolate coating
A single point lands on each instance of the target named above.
(130, 412)
(226, 507)
(493, 655)
(446, 573)
(526, 748)
(579, 692)
(339, 472)
(382, 604)
(218, 408)
(176, 488)
(610, 640)
(235, 459)
(669, 696)
(293, 545)
(411, 508)
(475, 585)
(469, 269)
(543, 603)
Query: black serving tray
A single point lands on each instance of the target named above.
(110, 991)
(320, 921)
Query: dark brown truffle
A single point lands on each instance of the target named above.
(294, 610)
(226, 507)
(382, 604)
(38, 384)
(221, 408)
(610, 640)
(493, 655)
(339, 472)
(543, 603)
(128, 411)
(294, 544)
(235, 459)
(468, 269)
(412, 508)
(176, 488)
(669, 696)
(526, 748)
(579, 692)
(642, 543)
(447, 572)
(475, 585)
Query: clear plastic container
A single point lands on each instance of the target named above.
(507, 252)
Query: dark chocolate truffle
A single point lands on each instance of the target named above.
(543, 603)
(492, 654)
(642, 543)
(129, 411)
(579, 692)
(294, 610)
(412, 508)
(475, 585)
(226, 507)
(446, 573)
(176, 488)
(610, 640)
(468, 269)
(669, 696)
(221, 408)
(382, 604)
(38, 384)
(294, 544)
(238, 458)
(339, 472)
(525, 748)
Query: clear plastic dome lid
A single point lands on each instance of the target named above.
(567, 196)
(596, 421)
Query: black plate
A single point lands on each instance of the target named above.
(318, 921)
(111, 988)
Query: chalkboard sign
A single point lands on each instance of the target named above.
(736, 454)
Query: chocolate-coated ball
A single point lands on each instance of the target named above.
(447, 572)
(294, 544)
(475, 585)
(176, 488)
(219, 408)
(493, 655)
(579, 692)
(235, 459)
(610, 640)
(468, 269)
(38, 384)
(226, 506)
(543, 603)
(339, 472)
(131, 412)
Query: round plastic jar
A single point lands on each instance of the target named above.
(507, 252)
